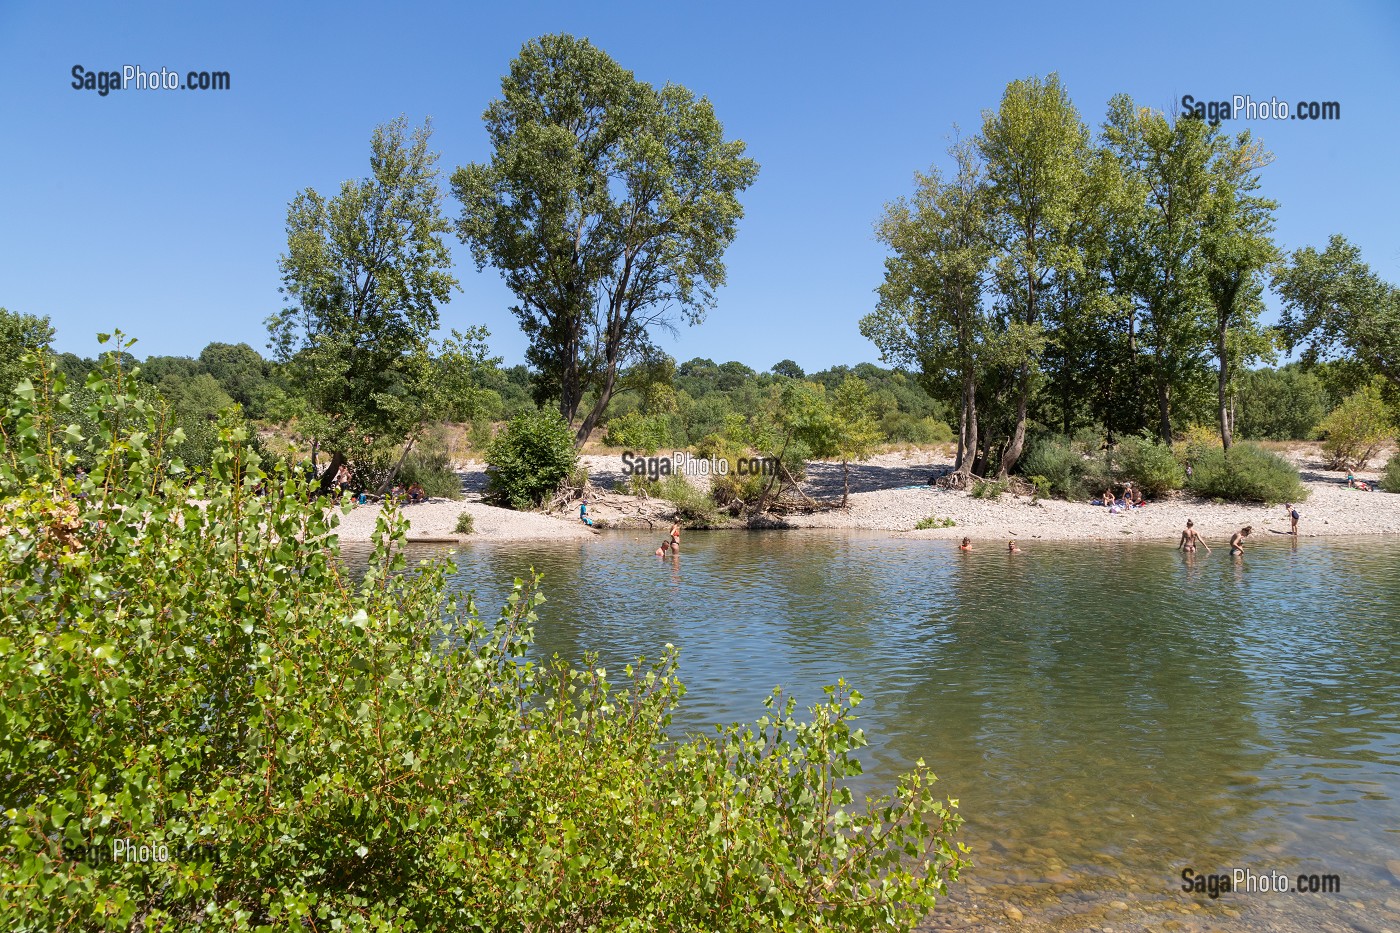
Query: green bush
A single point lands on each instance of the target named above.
(637, 432)
(1152, 467)
(1247, 473)
(901, 427)
(466, 524)
(692, 506)
(933, 521)
(1066, 471)
(1390, 479)
(1356, 429)
(988, 489)
(195, 671)
(529, 458)
(430, 465)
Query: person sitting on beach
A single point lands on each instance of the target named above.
(1011, 548)
(1190, 538)
(1364, 486)
(342, 478)
(1237, 539)
(416, 494)
(583, 513)
(396, 493)
(966, 545)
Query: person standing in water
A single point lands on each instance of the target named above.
(966, 545)
(1190, 538)
(676, 536)
(1292, 519)
(1237, 539)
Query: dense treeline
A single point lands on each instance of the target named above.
(1056, 281)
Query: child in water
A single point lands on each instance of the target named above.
(966, 545)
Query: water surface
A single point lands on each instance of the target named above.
(1107, 715)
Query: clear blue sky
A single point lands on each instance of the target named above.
(163, 212)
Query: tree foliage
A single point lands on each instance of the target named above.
(194, 673)
(364, 273)
(607, 206)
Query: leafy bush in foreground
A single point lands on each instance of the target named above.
(529, 458)
(192, 671)
(1247, 473)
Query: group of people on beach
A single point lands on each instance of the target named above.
(1130, 500)
(412, 494)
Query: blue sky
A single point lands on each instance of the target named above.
(163, 212)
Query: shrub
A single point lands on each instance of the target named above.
(1356, 429)
(1246, 473)
(1152, 467)
(197, 672)
(692, 506)
(466, 524)
(1064, 469)
(529, 458)
(901, 427)
(635, 431)
(430, 465)
(988, 489)
(933, 521)
(1390, 479)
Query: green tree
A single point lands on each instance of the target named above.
(19, 334)
(607, 206)
(1036, 150)
(930, 315)
(1166, 164)
(1236, 249)
(1279, 404)
(365, 272)
(788, 370)
(1334, 306)
(1356, 429)
(241, 372)
(856, 431)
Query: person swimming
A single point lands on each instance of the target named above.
(1237, 539)
(1011, 548)
(966, 545)
(664, 548)
(1190, 538)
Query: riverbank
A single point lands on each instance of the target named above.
(890, 493)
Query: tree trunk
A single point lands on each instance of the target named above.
(968, 465)
(328, 477)
(962, 435)
(393, 474)
(1018, 434)
(600, 406)
(1164, 412)
(1224, 380)
(845, 483)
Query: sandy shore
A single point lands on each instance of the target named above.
(891, 493)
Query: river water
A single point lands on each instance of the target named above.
(1107, 716)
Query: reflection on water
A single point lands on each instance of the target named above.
(1107, 716)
